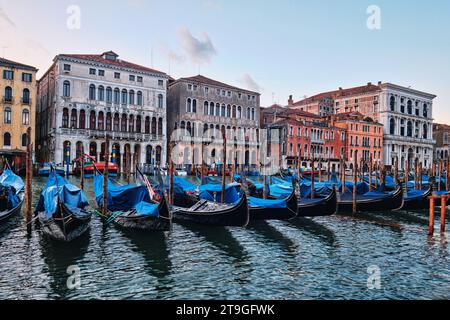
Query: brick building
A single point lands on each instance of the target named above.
(441, 133)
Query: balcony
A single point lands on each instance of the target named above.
(8, 100)
(317, 140)
(26, 101)
(115, 135)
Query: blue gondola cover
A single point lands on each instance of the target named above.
(213, 192)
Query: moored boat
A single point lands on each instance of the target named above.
(61, 210)
(318, 207)
(273, 209)
(417, 199)
(11, 195)
(372, 201)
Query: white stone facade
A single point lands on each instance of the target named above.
(91, 95)
(407, 116)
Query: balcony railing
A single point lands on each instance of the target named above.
(115, 135)
(26, 101)
(8, 100)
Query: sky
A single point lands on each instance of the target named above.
(278, 48)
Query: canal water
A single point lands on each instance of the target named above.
(321, 258)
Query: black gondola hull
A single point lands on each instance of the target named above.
(261, 213)
(234, 216)
(418, 203)
(65, 226)
(144, 223)
(7, 214)
(383, 203)
(319, 207)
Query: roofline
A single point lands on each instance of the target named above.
(68, 57)
(17, 65)
(402, 88)
(187, 79)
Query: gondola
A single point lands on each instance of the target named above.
(11, 195)
(61, 210)
(318, 207)
(417, 199)
(273, 209)
(372, 202)
(215, 214)
(131, 207)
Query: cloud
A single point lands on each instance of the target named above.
(250, 84)
(199, 51)
(171, 54)
(4, 16)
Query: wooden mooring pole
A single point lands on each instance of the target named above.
(28, 178)
(312, 178)
(224, 164)
(105, 178)
(342, 175)
(82, 169)
(355, 182)
(370, 173)
(444, 199)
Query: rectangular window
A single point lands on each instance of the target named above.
(190, 87)
(116, 75)
(160, 83)
(8, 75)
(101, 73)
(27, 77)
(240, 95)
(140, 79)
(206, 90)
(132, 78)
(229, 94)
(195, 87)
(67, 67)
(92, 71)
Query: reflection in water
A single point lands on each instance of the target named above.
(273, 235)
(220, 237)
(58, 256)
(315, 229)
(374, 220)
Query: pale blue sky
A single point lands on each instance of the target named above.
(284, 47)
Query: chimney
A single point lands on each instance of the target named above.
(290, 101)
(379, 83)
(369, 84)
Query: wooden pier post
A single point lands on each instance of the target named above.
(329, 169)
(105, 178)
(320, 169)
(431, 217)
(170, 168)
(370, 173)
(396, 170)
(342, 175)
(447, 175)
(312, 178)
(443, 208)
(355, 182)
(28, 179)
(82, 169)
(264, 181)
(224, 163)
(420, 176)
(406, 179)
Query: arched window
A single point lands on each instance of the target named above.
(7, 139)
(392, 103)
(138, 124)
(217, 113)
(116, 122)
(409, 129)
(239, 112)
(91, 92)
(109, 95)
(211, 109)
(100, 121)
(153, 125)
(223, 111)
(228, 111)
(392, 126)
(160, 126)
(7, 115)
(248, 113)
(82, 120)
(108, 121)
(425, 131)
(66, 89)
(158, 154)
(123, 123)
(139, 98)
(116, 96)
(101, 93)
(26, 96)
(409, 106)
(253, 113)
(24, 140)
(188, 105)
(124, 96)
(8, 94)
(234, 112)
(425, 110)
(131, 96)
(160, 101)
(194, 106)
(131, 124)
(73, 118)
(92, 120)
(65, 118)
(205, 108)
(25, 117)
(147, 125)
